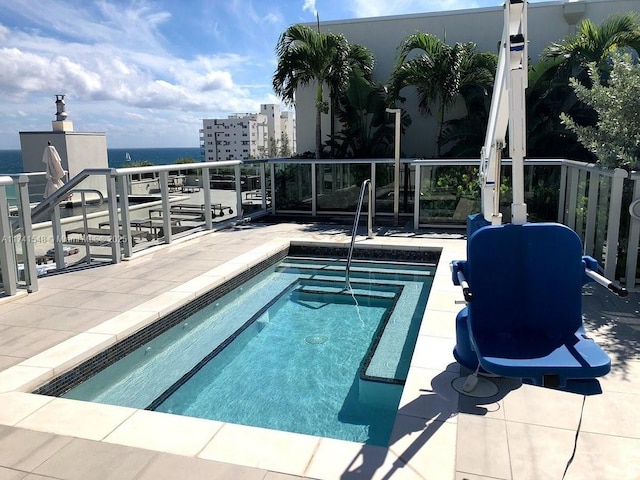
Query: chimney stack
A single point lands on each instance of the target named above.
(61, 124)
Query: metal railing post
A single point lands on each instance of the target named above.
(613, 225)
(206, 188)
(56, 230)
(416, 201)
(314, 190)
(24, 220)
(8, 265)
(373, 188)
(633, 239)
(592, 209)
(116, 236)
(125, 217)
(263, 185)
(563, 194)
(166, 212)
(273, 188)
(238, 192)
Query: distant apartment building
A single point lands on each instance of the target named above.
(270, 133)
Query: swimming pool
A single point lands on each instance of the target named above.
(290, 350)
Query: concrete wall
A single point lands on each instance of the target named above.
(547, 22)
(77, 150)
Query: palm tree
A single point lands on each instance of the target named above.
(440, 73)
(360, 63)
(550, 94)
(308, 56)
(595, 43)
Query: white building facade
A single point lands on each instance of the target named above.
(547, 22)
(248, 135)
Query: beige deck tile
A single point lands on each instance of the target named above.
(165, 302)
(435, 353)
(469, 476)
(71, 352)
(623, 378)
(10, 474)
(339, 459)
(428, 395)
(84, 459)
(125, 324)
(226, 270)
(199, 285)
(23, 342)
(77, 419)
(165, 432)
(258, 447)
(482, 447)
(428, 448)
(543, 406)
(601, 457)
(25, 449)
(446, 300)
(177, 467)
(16, 406)
(538, 453)
(24, 378)
(437, 323)
(612, 414)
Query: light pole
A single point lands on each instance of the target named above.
(396, 176)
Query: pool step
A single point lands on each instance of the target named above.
(358, 287)
(318, 291)
(355, 268)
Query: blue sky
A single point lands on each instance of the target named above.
(146, 72)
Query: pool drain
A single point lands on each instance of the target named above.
(317, 339)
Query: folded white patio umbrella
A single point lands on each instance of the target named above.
(53, 163)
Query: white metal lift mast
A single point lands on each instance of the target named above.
(507, 110)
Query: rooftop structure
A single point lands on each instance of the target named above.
(78, 150)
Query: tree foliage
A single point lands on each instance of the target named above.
(309, 57)
(440, 73)
(615, 139)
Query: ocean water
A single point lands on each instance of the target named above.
(11, 160)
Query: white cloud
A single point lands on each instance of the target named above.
(4, 33)
(119, 71)
(376, 8)
(310, 6)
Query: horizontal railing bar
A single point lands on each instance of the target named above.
(175, 166)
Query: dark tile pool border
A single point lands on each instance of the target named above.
(429, 256)
(72, 378)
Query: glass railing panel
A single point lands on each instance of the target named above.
(293, 187)
(448, 193)
(222, 182)
(252, 189)
(384, 188)
(542, 184)
(338, 186)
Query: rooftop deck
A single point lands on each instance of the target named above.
(523, 432)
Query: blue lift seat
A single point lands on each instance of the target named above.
(524, 316)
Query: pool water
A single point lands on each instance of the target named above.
(290, 350)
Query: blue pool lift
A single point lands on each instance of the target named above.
(522, 281)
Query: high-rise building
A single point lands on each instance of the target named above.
(269, 133)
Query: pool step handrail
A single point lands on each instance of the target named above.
(363, 189)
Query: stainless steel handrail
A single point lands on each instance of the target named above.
(365, 184)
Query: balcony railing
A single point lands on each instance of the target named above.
(110, 214)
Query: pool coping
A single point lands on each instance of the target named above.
(284, 452)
